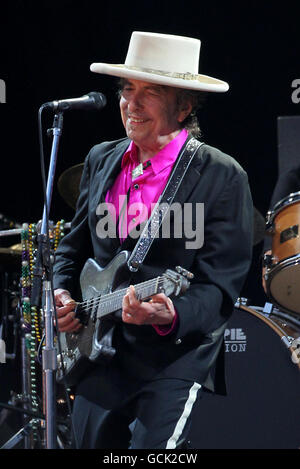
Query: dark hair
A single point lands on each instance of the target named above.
(197, 98)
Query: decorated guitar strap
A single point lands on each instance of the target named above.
(105, 334)
(163, 204)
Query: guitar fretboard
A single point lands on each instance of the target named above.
(108, 303)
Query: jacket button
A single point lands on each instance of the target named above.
(178, 341)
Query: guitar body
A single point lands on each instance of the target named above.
(103, 291)
(93, 343)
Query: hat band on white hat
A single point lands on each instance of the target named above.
(181, 76)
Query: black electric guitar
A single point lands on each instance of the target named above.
(103, 292)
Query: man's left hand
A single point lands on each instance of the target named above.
(159, 310)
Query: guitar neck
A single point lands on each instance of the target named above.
(113, 301)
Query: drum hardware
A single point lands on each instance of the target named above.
(280, 321)
(269, 308)
(274, 317)
(33, 428)
(268, 260)
(22, 434)
(291, 342)
(36, 420)
(241, 301)
(18, 231)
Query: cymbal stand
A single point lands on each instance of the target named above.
(18, 231)
(26, 385)
(22, 398)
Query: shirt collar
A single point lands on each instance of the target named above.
(165, 157)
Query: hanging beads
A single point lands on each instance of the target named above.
(59, 233)
(31, 315)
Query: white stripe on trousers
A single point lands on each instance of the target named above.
(171, 444)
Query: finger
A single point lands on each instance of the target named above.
(63, 297)
(127, 316)
(125, 301)
(133, 301)
(64, 310)
(71, 328)
(126, 307)
(68, 324)
(68, 319)
(162, 298)
(164, 312)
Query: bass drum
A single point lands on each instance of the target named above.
(262, 406)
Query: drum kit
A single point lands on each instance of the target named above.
(258, 341)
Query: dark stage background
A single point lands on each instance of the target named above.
(46, 49)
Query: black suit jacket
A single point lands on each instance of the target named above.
(193, 350)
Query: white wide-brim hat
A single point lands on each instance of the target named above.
(163, 59)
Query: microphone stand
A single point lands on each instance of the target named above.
(43, 271)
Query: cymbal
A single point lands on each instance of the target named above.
(68, 187)
(16, 248)
(11, 257)
(68, 184)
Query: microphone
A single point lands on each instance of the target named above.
(93, 101)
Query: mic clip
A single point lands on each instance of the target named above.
(57, 125)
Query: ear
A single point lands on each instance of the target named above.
(185, 109)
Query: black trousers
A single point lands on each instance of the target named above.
(155, 415)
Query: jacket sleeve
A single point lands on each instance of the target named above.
(76, 246)
(222, 264)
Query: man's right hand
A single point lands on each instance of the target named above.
(65, 309)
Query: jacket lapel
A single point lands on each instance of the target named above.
(111, 169)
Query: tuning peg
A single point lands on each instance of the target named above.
(184, 272)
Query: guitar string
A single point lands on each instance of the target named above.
(84, 340)
(116, 292)
(117, 295)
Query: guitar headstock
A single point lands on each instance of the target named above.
(176, 282)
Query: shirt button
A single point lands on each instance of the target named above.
(178, 341)
(133, 220)
(136, 186)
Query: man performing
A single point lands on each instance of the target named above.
(166, 351)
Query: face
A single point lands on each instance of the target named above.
(150, 113)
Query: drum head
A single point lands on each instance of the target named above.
(261, 409)
(284, 286)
